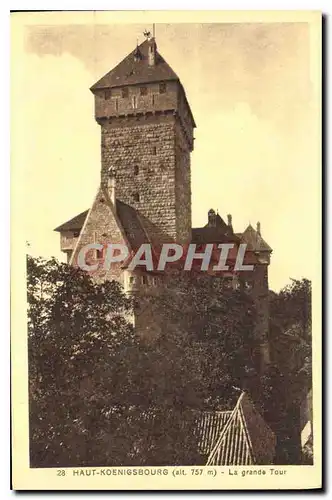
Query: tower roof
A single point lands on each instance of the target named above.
(254, 240)
(135, 69)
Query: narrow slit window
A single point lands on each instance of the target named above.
(154, 150)
(108, 94)
(99, 254)
(144, 280)
(162, 88)
(136, 196)
(134, 102)
(116, 105)
(136, 170)
(125, 92)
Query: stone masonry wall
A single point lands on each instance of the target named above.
(149, 164)
(109, 102)
(182, 186)
(258, 278)
(101, 226)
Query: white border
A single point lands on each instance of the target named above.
(324, 6)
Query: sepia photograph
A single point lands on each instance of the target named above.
(167, 179)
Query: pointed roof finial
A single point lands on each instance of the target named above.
(154, 30)
(147, 34)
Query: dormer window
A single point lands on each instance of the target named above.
(125, 92)
(162, 88)
(143, 90)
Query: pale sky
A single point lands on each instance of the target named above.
(254, 98)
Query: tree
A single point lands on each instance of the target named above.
(290, 326)
(92, 382)
(100, 395)
(74, 326)
(207, 341)
(290, 379)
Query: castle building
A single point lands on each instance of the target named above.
(145, 188)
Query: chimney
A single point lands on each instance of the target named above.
(229, 220)
(258, 228)
(212, 218)
(152, 52)
(111, 185)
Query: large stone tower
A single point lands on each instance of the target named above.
(146, 140)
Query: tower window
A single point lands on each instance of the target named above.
(143, 91)
(108, 94)
(136, 196)
(162, 88)
(125, 92)
(99, 254)
(144, 280)
(136, 169)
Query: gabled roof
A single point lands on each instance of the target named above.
(131, 224)
(254, 240)
(210, 234)
(134, 70)
(245, 439)
(76, 223)
(129, 220)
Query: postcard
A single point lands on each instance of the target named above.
(166, 250)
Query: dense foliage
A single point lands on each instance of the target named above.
(290, 377)
(99, 395)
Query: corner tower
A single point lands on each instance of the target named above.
(146, 141)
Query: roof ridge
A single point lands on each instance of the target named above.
(130, 71)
